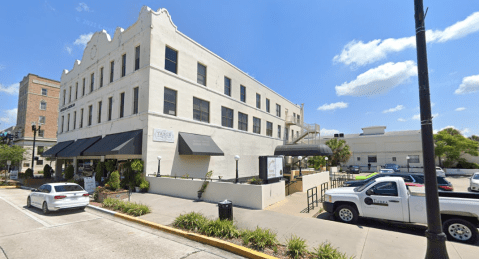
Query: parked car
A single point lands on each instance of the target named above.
(474, 182)
(57, 196)
(386, 171)
(354, 169)
(440, 172)
(442, 183)
(394, 167)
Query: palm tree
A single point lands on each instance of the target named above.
(341, 152)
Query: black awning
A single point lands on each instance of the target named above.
(125, 143)
(77, 148)
(194, 144)
(303, 150)
(53, 151)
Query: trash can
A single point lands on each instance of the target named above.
(225, 210)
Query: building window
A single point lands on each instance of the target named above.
(44, 92)
(286, 136)
(122, 104)
(63, 121)
(137, 58)
(70, 95)
(99, 112)
(372, 159)
(279, 131)
(41, 133)
(112, 70)
(299, 119)
(74, 120)
(171, 60)
(83, 90)
(135, 100)
(242, 121)
(76, 91)
(394, 159)
(227, 86)
(90, 114)
(26, 164)
(123, 65)
(40, 150)
(101, 77)
(169, 104)
(41, 119)
(269, 129)
(278, 110)
(81, 119)
(414, 159)
(258, 101)
(292, 134)
(256, 125)
(43, 105)
(243, 94)
(201, 77)
(110, 107)
(39, 162)
(201, 110)
(359, 159)
(267, 105)
(92, 82)
(68, 122)
(64, 96)
(226, 117)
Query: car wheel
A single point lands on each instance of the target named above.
(29, 203)
(460, 230)
(82, 208)
(45, 208)
(346, 214)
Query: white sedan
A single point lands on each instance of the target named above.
(475, 182)
(57, 196)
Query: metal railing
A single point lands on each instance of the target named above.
(313, 197)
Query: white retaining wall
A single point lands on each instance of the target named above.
(244, 195)
(458, 171)
(314, 180)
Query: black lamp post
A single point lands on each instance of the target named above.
(237, 158)
(408, 163)
(299, 158)
(158, 173)
(34, 129)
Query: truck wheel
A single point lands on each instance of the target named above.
(45, 208)
(347, 214)
(460, 230)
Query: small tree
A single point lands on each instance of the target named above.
(317, 161)
(114, 183)
(341, 152)
(110, 165)
(451, 144)
(28, 173)
(99, 171)
(47, 171)
(69, 172)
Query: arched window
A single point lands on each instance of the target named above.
(43, 105)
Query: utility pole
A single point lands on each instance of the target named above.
(436, 239)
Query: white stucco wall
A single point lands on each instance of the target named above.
(314, 180)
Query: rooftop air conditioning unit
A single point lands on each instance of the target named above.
(341, 135)
(336, 135)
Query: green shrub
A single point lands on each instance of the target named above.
(327, 251)
(99, 171)
(40, 172)
(130, 208)
(256, 181)
(296, 246)
(259, 238)
(220, 228)
(192, 221)
(144, 185)
(114, 182)
(138, 179)
(47, 171)
(28, 173)
(137, 165)
(69, 172)
(110, 165)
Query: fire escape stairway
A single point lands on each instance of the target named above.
(307, 129)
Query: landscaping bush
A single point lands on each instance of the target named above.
(130, 208)
(69, 172)
(220, 228)
(259, 238)
(327, 251)
(192, 221)
(137, 165)
(144, 185)
(256, 181)
(99, 171)
(28, 173)
(47, 171)
(114, 182)
(41, 172)
(110, 165)
(296, 247)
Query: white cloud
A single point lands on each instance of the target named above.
(402, 120)
(463, 132)
(11, 89)
(9, 116)
(469, 85)
(395, 109)
(379, 80)
(328, 132)
(358, 53)
(460, 109)
(68, 49)
(333, 106)
(418, 116)
(83, 39)
(2, 67)
(82, 7)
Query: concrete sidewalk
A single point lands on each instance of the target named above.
(357, 240)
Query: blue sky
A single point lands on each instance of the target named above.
(352, 63)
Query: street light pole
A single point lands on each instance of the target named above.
(407, 158)
(34, 129)
(237, 175)
(158, 173)
(436, 239)
(299, 158)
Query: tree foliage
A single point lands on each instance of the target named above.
(451, 144)
(317, 161)
(474, 137)
(12, 153)
(341, 151)
(69, 172)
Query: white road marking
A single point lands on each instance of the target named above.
(27, 213)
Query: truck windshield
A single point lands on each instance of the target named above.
(366, 185)
(476, 176)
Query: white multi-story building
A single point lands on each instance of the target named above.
(152, 91)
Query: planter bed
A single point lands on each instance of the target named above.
(120, 195)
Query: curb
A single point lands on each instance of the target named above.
(8, 187)
(230, 247)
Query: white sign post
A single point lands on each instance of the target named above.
(163, 135)
(89, 184)
(14, 175)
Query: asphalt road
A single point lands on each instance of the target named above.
(27, 233)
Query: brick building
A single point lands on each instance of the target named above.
(37, 103)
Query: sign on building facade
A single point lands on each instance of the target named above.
(162, 135)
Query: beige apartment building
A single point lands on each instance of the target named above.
(152, 91)
(37, 103)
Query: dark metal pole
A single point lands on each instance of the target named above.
(158, 174)
(436, 239)
(34, 128)
(300, 174)
(408, 165)
(236, 171)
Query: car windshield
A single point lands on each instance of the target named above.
(361, 188)
(476, 176)
(68, 188)
(420, 179)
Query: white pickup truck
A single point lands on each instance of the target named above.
(388, 198)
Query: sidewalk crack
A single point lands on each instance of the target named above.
(192, 253)
(365, 240)
(1, 248)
